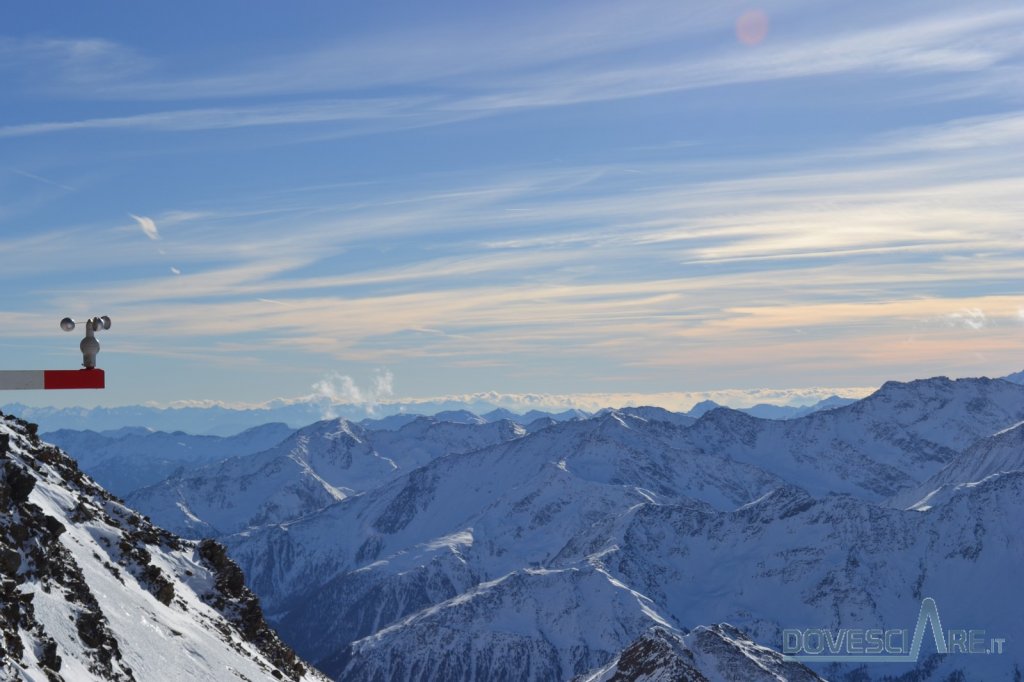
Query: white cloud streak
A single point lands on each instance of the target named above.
(39, 178)
(147, 225)
(402, 113)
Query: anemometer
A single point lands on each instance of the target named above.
(47, 379)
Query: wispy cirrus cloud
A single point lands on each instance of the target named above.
(460, 74)
(651, 259)
(595, 61)
(936, 44)
(446, 52)
(223, 118)
(854, 256)
(59, 64)
(39, 178)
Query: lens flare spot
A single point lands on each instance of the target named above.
(752, 27)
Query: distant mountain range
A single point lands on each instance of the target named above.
(215, 420)
(127, 459)
(562, 547)
(632, 544)
(113, 456)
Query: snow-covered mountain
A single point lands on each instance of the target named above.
(1001, 453)
(390, 423)
(397, 421)
(792, 561)
(768, 411)
(519, 547)
(539, 424)
(874, 448)
(313, 468)
(504, 616)
(656, 414)
(125, 460)
(427, 438)
(720, 653)
(1015, 378)
(90, 590)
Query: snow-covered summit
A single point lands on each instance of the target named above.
(719, 653)
(316, 466)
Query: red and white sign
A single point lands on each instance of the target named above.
(48, 379)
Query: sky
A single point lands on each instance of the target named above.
(408, 200)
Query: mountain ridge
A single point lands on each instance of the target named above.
(93, 591)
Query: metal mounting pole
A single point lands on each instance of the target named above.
(89, 345)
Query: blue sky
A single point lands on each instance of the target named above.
(431, 199)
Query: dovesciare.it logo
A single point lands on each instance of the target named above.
(877, 645)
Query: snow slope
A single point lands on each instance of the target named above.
(92, 591)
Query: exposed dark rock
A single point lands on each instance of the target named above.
(19, 482)
(90, 629)
(214, 553)
(19, 533)
(242, 607)
(165, 593)
(10, 561)
(53, 526)
(230, 578)
(655, 655)
(48, 655)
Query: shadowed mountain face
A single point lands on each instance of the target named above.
(93, 591)
(1001, 453)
